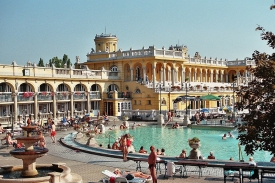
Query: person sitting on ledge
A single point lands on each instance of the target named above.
(162, 152)
(158, 152)
(115, 145)
(183, 154)
(211, 156)
(135, 174)
(141, 150)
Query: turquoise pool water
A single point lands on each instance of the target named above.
(174, 140)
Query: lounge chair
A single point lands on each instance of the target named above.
(121, 179)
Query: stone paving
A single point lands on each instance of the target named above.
(90, 166)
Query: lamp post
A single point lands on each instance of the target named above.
(160, 117)
(233, 102)
(160, 98)
(186, 120)
(12, 125)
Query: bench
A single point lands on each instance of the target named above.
(229, 170)
(184, 163)
(267, 172)
(160, 161)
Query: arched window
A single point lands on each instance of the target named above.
(137, 91)
(114, 68)
(113, 87)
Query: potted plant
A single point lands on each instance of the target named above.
(124, 117)
(194, 142)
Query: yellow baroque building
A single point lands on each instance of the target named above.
(143, 82)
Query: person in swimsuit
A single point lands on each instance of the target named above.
(135, 174)
(183, 154)
(42, 142)
(123, 146)
(152, 160)
(53, 132)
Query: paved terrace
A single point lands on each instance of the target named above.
(90, 166)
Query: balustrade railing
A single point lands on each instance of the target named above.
(6, 98)
(44, 97)
(124, 95)
(79, 96)
(63, 97)
(95, 95)
(21, 97)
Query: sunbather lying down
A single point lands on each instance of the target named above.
(135, 174)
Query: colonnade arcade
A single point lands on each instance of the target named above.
(175, 73)
(34, 99)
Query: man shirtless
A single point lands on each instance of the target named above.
(123, 146)
(152, 160)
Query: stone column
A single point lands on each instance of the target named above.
(162, 76)
(35, 107)
(72, 106)
(132, 74)
(211, 75)
(222, 72)
(183, 75)
(88, 102)
(246, 76)
(54, 106)
(144, 75)
(175, 75)
(190, 79)
(195, 75)
(201, 75)
(226, 77)
(15, 108)
(154, 76)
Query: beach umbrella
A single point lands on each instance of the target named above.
(210, 97)
(205, 110)
(225, 108)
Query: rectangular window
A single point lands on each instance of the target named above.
(148, 102)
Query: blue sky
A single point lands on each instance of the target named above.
(34, 29)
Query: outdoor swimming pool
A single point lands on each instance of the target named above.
(174, 140)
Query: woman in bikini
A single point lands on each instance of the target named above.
(135, 174)
(53, 133)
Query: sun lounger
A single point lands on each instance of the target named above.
(121, 179)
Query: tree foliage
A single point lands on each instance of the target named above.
(59, 63)
(41, 63)
(258, 131)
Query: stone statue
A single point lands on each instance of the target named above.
(77, 59)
